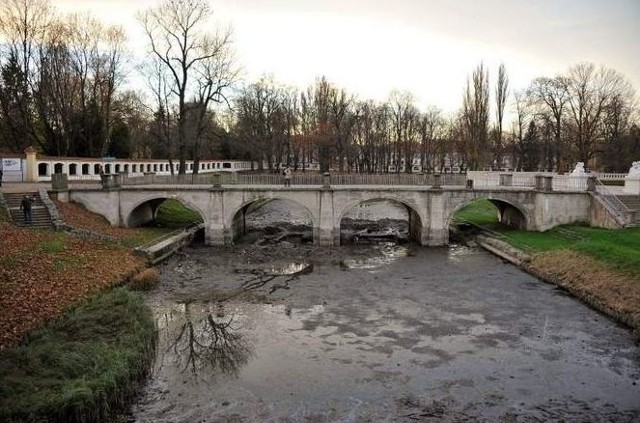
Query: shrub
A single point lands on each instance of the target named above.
(145, 280)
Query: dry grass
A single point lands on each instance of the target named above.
(145, 280)
(612, 292)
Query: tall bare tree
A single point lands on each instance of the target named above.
(476, 115)
(549, 97)
(194, 59)
(502, 93)
(590, 92)
(23, 26)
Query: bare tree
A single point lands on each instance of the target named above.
(476, 115)
(519, 128)
(195, 60)
(589, 93)
(23, 26)
(502, 93)
(549, 97)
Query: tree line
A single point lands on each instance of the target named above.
(62, 89)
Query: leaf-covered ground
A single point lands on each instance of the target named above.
(42, 272)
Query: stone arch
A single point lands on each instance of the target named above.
(417, 219)
(510, 212)
(235, 222)
(144, 210)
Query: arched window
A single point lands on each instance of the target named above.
(73, 169)
(43, 169)
(57, 168)
(107, 168)
(85, 168)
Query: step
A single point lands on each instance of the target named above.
(39, 213)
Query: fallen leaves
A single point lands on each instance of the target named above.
(38, 282)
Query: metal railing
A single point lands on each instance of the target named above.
(514, 180)
(297, 179)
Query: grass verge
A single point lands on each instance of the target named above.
(616, 249)
(84, 366)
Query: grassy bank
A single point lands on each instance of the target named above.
(84, 366)
(599, 266)
(173, 214)
(616, 249)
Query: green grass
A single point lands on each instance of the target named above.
(84, 366)
(55, 245)
(144, 235)
(173, 214)
(480, 212)
(618, 249)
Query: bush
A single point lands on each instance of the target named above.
(82, 367)
(145, 280)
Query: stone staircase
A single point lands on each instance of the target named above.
(40, 215)
(632, 203)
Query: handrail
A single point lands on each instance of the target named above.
(615, 204)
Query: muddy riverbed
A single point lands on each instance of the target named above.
(295, 333)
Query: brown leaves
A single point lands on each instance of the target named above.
(43, 272)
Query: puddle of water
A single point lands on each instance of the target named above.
(278, 269)
(390, 252)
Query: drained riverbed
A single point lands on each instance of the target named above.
(382, 332)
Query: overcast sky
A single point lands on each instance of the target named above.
(427, 47)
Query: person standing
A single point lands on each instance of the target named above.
(26, 205)
(0, 174)
(287, 176)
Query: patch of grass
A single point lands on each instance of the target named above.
(481, 212)
(82, 367)
(55, 245)
(618, 249)
(143, 235)
(173, 214)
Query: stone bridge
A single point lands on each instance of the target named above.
(430, 209)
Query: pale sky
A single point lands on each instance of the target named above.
(426, 47)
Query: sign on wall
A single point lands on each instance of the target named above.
(11, 165)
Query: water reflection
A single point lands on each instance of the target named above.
(208, 342)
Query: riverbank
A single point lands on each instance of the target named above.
(598, 266)
(73, 347)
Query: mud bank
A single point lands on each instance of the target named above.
(613, 293)
(378, 333)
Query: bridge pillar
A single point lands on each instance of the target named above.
(214, 230)
(435, 231)
(324, 233)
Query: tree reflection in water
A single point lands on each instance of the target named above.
(210, 343)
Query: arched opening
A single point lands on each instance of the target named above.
(380, 220)
(486, 214)
(269, 221)
(165, 213)
(85, 168)
(43, 169)
(73, 169)
(57, 168)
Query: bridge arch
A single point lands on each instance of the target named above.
(236, 219)
(510, 212)
(144, 210)
(416, 219)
